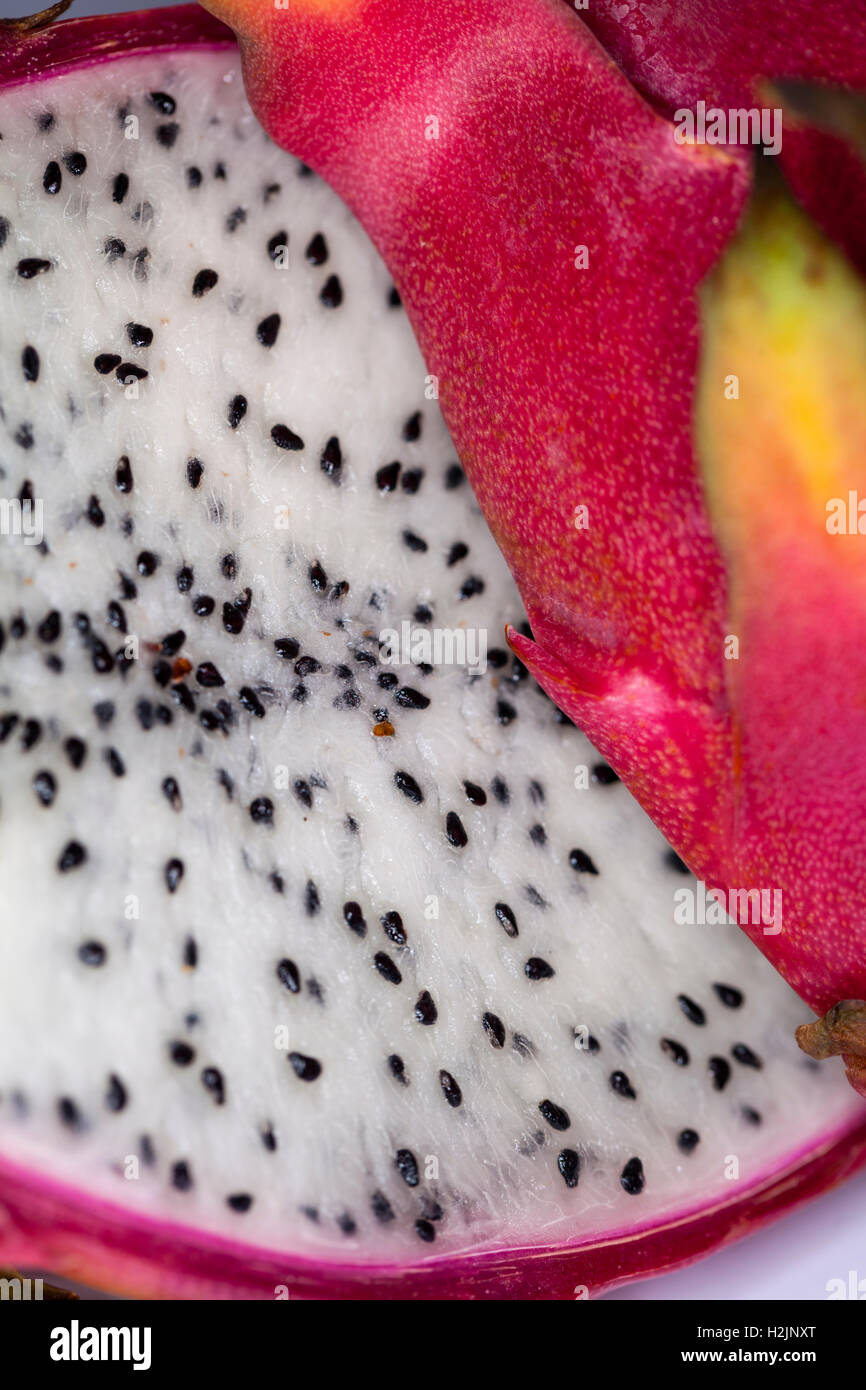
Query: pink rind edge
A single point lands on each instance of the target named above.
(73, 44)
(50, 1225)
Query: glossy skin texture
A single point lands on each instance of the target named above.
(569, 385)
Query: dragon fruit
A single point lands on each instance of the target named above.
(335, 961)
(693, 609)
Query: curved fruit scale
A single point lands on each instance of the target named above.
(549, 234)
(321, 974)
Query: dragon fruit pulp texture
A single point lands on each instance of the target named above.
(549, 236)
(100, 1016)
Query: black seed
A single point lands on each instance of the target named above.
(208, 675)
(677, 1053)
(164, 104)
(172, 642)
(115, 762)
(732, 998)
(262, 811)
(688, 1140)
(720, 1072)
(397, 1068)
(538, 834)
(554, 1114)
(673, 861)
(354, 918)
(30, 734)
(387, 475)
(94, 513)
(495, 1029)
(286, 647)
(92, 953)
(268, 329)
(171, 792)
(412, 480)
(475, 794)
(394, 300)
(284, 438)
(317, 250)
(32, 266)
(45, 121)
(7, 724)
(203, 605)
(233, 619)
(506, 919)
(423, 613)
(500, 791)
(416, 543)
(181, 1053)
(505, 712)
(173, 874)
(229, 565)
(128, 589)
(471, 586)
(386, 680)
(204, 281)
(302, 792)
(386, 968)
(167, 134)
(52, 178)
(72, 857)
(332, 293)
(424, 1229)
(193, 177)
(411, 699)
(750, 1115)
(146, 563)
(407, 1166)
(277, 243)
(745, 1056)
(114, 248)
(306, 1068)
(30, 363)
(538, 969)
(106, 362)
(190, 953)
(312, 903)
(581, 862)
(450, 1090)
(425, 1010)
(269, 1139)
(632, 1177)
(116, 1095)
(382, 1209)
(100, 657)
(45, 786)
(409, 787)
(392, 925)
(5, 226)
(289, 975)
(140, 266)
(24, 436)
(568, 1163)
(181, 1177)
(76, 751)
(75, 163)
(251, 702)
(69, 1113)
(693, 1012)
(119, 188)
(458, 552)
(454, 830)
(128, 371)
(331, 460)
(123, 475)
(49, 629)
(620, 1083)
(604, 775)
(212, 1080)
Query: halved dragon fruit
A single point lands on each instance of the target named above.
(333, 961)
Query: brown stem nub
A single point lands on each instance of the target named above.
(31, 23)
(840, 1033)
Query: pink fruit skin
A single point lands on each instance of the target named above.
(46, 1224)
(566, 386)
